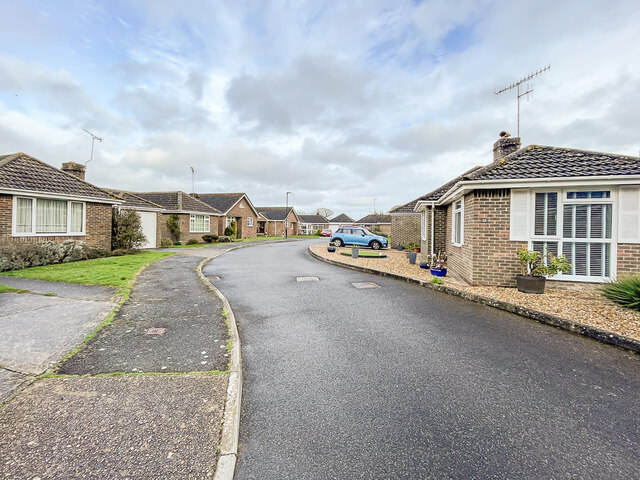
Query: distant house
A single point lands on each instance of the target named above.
(234, 207)
(376, 222)
(310, 224)
(40, 203)
(338, 220)
(562, 201)
(150, 215)
(195, 218)
(274, 221)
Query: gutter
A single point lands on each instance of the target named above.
(62, 196)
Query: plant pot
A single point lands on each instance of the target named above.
(417, 249)
(412, 257)
(400, 247)
(331, 249)
(530, 284)
(438, 272)
(355, 252)
(424, 265)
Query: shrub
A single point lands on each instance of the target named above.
(624, 292)
(126, 230)
(165, 243)
(532, 263)
(437, 280)
(319, 232)
(231, 231)
(24, 255)
(192, 241)
(173, 225)
(224, 239)
(177, 243)
(124, 251)
(209, 238)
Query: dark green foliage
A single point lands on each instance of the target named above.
(192, 241)
(166, 243)
(224, 239)
(17, 256)
(126, 230)
(209, 238)
(231, 231)
(319, 232)
(177, 243)
(173, 225)
(624, 292)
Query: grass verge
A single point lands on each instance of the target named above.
(8, 289)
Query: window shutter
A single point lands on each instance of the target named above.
(629, 220)
(519, 215)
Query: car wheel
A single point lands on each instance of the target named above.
(338, 242)
(375, 245)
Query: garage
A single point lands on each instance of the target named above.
(148, 221)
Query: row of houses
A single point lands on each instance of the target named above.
(561, 201)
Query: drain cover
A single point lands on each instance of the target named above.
(365, 285)
(155, 331)
(307, 279)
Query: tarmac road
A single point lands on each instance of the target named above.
(403, 382)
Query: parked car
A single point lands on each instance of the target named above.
(358, 236)
(326, 233)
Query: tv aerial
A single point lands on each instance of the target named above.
(93, 139)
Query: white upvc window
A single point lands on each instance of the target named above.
(457, 227)
(249, 221)
(48, 217)
(578, 224)
(199, 223)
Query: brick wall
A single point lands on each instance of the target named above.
(185, 235)
(460, 259)
(405, 229)
(628, 259)
(98, 228)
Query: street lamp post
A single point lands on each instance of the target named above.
(286, 218)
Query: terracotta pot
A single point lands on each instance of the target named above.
(417, 249)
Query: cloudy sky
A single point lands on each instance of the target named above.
(340, 103)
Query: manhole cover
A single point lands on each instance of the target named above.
(155, 331)
(365, 285)
(213, 278)
(307, 279)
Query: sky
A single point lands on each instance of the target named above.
(351, 106)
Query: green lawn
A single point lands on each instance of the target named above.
(7, 289)
(110, 271)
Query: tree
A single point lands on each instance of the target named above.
(126, 230)
(173, 225)
(325, 212)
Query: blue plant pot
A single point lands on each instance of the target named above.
(422, 265)
(331, 249)
(439, 272)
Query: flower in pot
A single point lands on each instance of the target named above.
(535, 267)
(439, 264)
(331, 247)
(425, 261)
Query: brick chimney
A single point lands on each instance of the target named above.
(504, 146)
(76, 169)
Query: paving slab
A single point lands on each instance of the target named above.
(37, 331)
(66, 290)
(10, 382)
(113, 427)
(167, 295)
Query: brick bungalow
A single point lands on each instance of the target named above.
(310, 224)
(195, 218)
(234, 207)
(584, 205)
(339, 220)
(150, 214)
(40, 203)
(274, 220)
(376, 222)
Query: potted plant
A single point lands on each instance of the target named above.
(331, 247)
(400, 247)
(534, 270)
(355, 251)
(439, 264)
(425, 261)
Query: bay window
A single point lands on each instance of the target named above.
(44, 216)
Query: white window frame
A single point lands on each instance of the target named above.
(457, 210)
(192, 223)
(558, 237)
(423, 225)
(34, 203)
(249, 221)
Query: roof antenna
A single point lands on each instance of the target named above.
(517, 85)
(93, 139)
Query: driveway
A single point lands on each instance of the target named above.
(396, 381)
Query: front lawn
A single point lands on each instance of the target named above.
(110, 271)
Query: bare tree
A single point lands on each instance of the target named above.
(325, 212)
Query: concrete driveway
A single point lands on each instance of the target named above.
(37, 330)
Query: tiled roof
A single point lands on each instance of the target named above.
(435, 194)
(375, 218)
(178, 201)
(538, 161)
(132, 200)
(342, 218)
(20, 171)
(220, 201)
(274, 213)
(313, 219)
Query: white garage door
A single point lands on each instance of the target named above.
(148, 220)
